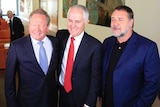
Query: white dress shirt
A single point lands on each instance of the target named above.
(77, 42)
(47, 46)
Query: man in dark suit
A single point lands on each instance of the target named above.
(16, 26)
(86, 70)
(37, 86)
(131, 64)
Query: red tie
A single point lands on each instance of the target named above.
(69, 66)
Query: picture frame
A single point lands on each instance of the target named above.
(96, 31)
(21, 5)
(66, 5)
(99, 10)
(25, 6)
(51, 7)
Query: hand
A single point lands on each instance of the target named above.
(159, 96)
(85, 105)
(100, 101)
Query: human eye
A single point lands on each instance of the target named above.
(42, 26)
(121, 19)
(78, 21)
(112, 19)
(69, 20)
(33, 25)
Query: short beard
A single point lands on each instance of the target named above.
(119, 36)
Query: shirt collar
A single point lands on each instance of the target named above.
(79, 37)
(34, 41)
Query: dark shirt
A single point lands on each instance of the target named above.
(115, 56)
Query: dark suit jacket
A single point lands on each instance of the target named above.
(135, 78)
(35, 89)
(18, 29)
(86, 70)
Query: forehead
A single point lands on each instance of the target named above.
(9, 13)
(75, 13)
(119, 13)
(37, 17)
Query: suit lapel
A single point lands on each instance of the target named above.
(51, 65)
(63, 39)
(30, 53)
(128, 51)
(107, 54)
(81, 50)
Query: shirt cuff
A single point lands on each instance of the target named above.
(86, 105)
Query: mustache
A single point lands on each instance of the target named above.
(115, 28)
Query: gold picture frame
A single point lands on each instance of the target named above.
(51, 6)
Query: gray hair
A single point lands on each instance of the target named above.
(85, 11)
(42, 12)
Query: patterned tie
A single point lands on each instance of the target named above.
(69, 66)
(43, 58)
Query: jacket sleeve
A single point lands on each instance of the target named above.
(10, 81)
(151, 79)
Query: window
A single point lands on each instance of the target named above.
(9, 5)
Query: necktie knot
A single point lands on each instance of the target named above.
(72, 39)
(40, 43)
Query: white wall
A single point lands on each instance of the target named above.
(146, 20)
(8, 5)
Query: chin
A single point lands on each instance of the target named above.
(116, 35)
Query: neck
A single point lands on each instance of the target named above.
(125, 37)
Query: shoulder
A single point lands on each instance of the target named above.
(21, 43)
(63, 31)
(108, 40)
(16, 19)
(53, 39)
(91, 39)
(142, 40)
(62, 34)
(22, 40)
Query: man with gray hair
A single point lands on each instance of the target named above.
(80, 61)
(16, 26)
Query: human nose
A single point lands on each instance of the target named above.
(114, 22)
(36, 27)
(73, 24)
